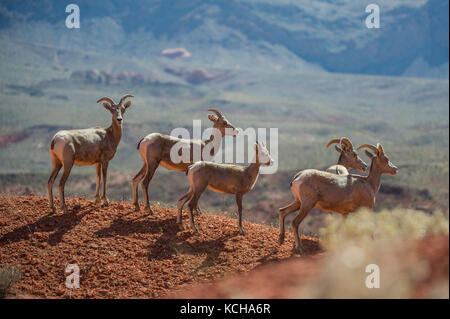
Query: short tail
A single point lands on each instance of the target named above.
(187, 170)
(139, 144)
(292, 180)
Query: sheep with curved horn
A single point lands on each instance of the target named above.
(342, 194)
(89, 146)
(348, 158)
(155, 150)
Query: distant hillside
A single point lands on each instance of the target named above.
(309, 35)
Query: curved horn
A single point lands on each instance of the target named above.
(107, 99)
(124, 97)
(336, 140)
(345, 141)
(370, 146)
(216, 111)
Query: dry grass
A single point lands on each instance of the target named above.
(8, 276)
(365, 227)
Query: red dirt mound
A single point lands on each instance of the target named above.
(287, 279)
(126, 254)
(272, 281)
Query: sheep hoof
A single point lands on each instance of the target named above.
(149, 210)
(198, 212)
(242, 232)
(97, 201)
(281, 239)
(137, 207)
(299, 251)
(105, 202)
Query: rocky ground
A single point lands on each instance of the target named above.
(126, 254)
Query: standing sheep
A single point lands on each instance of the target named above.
(222, 178)
(83, 147)
(342, 194)
(155, 150)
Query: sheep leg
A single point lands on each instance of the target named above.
(136, 180)
(67, 167)
(191, 205)
(56, 167)
(151, 168)
(98, 169)
(197, 192)
(198, 211)
(239, 205)
(282, 213)
(304, 210)
(180, 205)
(104, 177)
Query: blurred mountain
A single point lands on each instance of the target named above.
(311, 35)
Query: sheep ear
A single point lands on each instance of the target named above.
(127, 105)
(124, 107)
(369, 155)
(212, 118)
(107, 106)
(380, 148)
(338, 149)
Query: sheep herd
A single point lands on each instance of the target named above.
(334, 190)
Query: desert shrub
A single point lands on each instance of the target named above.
(386, 239)
(8, 276)
(402, 271)
(364, 227)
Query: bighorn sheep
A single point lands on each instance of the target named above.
(83, 147)
(347, 159)
(222, 178)
(334, 193)
(155, 150)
